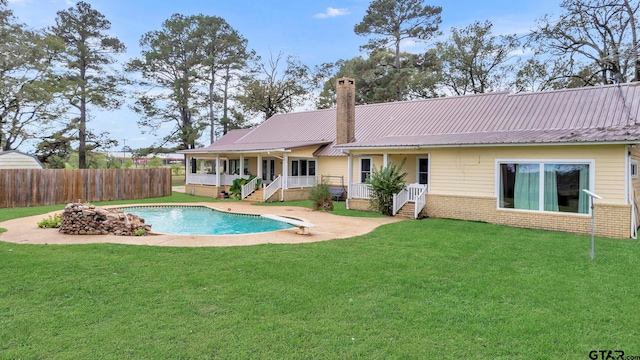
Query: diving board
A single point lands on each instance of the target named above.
(301, 224)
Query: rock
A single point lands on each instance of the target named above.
(91, 220)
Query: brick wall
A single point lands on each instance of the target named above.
(611, 220)
(358, 204)
(205, 190)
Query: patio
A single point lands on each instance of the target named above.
(329, 227)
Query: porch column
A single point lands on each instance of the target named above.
(385, 160)
(201, 167)
(349, 174)
(285, 171)
(260, 166)
(187, 169)
(217, 169)
(241, 165)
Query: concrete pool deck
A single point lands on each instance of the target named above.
(328, 227)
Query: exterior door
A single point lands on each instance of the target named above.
(268, 170)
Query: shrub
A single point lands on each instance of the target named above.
(53, 221)
(140, 232)
(321, 197)
(384, 184)
(235, 190)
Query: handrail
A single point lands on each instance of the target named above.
(399, 200)
(271, 189)
(414, 191)
(249, 188)
(421, 202)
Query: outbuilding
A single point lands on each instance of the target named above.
(14, 159)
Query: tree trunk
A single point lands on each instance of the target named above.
(212, 119)
(82, 122)
(398, 92)
(634, 41)
(225, 101)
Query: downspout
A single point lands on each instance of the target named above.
(628, 188)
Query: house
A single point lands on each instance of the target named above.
(514, 159)
(13, 159)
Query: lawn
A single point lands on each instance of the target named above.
(425, 289)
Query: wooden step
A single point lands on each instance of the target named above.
(407, 211)
(255, 196)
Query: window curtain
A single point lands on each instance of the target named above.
(527, 187)
(583, 199)
(550, 188)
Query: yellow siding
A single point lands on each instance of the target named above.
(471, 171)
(333, 166)
(305, 152)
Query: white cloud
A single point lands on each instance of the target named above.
(331, 12)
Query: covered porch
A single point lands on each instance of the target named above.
(410, 201)
(270, 172)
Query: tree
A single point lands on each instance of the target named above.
(377, 82)
(473, 60)
(225, 52)
(88, 55)
(27, 84)
(593, 33)
(172, 60)
(397, 20)
(270, 92)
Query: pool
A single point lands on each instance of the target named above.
(200, 220)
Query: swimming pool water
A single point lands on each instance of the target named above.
(200, 220)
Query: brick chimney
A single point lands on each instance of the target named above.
(345, 111)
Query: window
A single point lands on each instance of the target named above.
(365, 169)
(234, 166)
(303, 168)
(423, 171)
(544, 186)
(634, 169)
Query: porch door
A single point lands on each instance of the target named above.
(268, 170)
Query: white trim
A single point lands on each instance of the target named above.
(349, 177)
(418, 147)
(370, 158)
(297, 159)
(541, 163)
(428, 158)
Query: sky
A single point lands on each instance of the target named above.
(316, 31)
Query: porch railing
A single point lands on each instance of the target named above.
(301, 181)
(201, 179)
(210, 179)
(414, 191)
(271, 189)
(421, 202)
(249, 188)
(360, 191)
(399, 200)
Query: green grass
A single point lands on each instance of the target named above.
(428, 289)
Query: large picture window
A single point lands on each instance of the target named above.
(544, 186)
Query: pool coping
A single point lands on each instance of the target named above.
(328, 227)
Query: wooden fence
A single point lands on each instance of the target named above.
(36, 187)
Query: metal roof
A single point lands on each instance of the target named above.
(589, 114)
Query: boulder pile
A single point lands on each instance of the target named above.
(81, 219)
